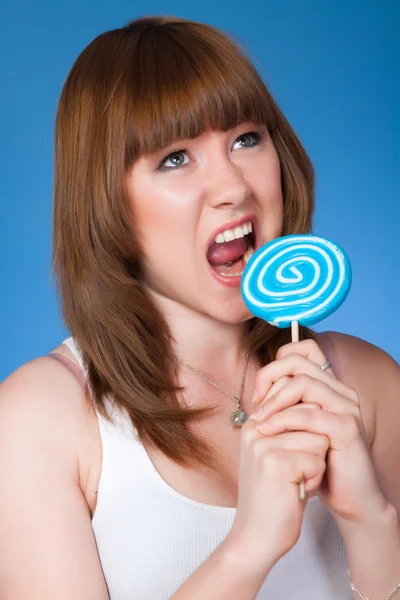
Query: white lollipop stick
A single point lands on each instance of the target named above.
(295, 338)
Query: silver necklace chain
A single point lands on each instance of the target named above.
(239, 416)
(394, 590)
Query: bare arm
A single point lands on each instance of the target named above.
(373, 551)
(373, 548)
(227, 574)
(47, 547)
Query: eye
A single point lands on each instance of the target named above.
(176, 160)
(245, 139)
(176, 157)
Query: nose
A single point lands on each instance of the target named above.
(226, 184)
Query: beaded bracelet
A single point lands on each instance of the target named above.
(394, 590)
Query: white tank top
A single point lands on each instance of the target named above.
(151, 538)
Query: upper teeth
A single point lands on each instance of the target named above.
(233, 234)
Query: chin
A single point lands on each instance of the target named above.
(232, 315)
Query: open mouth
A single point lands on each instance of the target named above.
(231, 250)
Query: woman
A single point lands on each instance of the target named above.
(166, 138)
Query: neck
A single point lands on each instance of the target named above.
(216, 349)
(201, 341)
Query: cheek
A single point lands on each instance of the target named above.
(266, 182)
(273, 177)
(266, 174)
(159, 213)
(164, 224)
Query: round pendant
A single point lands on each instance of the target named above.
(238, 418)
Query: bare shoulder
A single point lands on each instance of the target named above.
(42, 394)
(371, 371)
(361, 360)
(43, 435)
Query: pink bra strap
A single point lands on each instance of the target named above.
(324, 338)
(72, 367)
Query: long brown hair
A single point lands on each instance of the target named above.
(131, 91)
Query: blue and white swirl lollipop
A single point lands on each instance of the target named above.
(296, 279)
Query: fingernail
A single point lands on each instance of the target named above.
(254, 397)
(263, 427)
(257, 415)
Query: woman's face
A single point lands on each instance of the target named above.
(190, 193)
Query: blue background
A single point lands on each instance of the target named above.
(333, 66)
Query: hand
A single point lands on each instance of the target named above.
(269, 512)
(349, 488)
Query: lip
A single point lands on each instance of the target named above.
(232, 282)
(232, 224)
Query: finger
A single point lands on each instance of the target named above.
(301, 441)
(341, 429)
(308, 390)
(304, 405)
(279, 384)
(310, 349)
(295, 468)
(295, 364)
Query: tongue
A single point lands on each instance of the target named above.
(219, 254)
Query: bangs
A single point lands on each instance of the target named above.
(179, 86)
